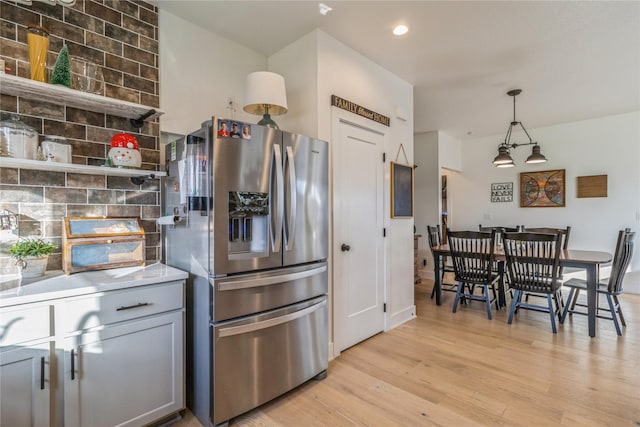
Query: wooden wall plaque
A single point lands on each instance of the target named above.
(592, 186)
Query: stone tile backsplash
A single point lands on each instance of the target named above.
(121, 37)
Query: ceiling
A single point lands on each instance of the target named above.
(573, 60)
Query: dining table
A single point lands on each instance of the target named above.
(590, 261)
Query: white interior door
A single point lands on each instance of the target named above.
(358, 250)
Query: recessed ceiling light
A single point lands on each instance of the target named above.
(324, 9)
(400, 30)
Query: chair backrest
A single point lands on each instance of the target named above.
(487, 229)
(433, 233)
(499, 230)
(472, 255)
(533, 261)
(565, 232)
(621, 259)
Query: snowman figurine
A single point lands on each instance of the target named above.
(124, 152)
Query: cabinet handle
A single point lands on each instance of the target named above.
(129, 307)
(42, 373)
(73, 365)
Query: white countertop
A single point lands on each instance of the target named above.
(55, 284)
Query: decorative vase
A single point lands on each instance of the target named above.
(32, 266)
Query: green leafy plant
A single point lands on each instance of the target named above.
(62, 69)
(32, 246)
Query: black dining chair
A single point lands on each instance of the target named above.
(488, 228)
(533, 262)
(435, 239)
(497, 268)
(564, 233)
(610, 287)
(564, 242)
(499, 230)
(472, 254)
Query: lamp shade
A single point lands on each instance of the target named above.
(503, 156)
(536, 156)
(265, 94)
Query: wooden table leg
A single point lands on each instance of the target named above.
(592, 301)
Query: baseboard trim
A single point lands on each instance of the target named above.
(401, 317)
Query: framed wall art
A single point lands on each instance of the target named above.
(401, 190)
(543, 189)
(502, 192)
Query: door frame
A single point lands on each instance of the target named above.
(337, 116)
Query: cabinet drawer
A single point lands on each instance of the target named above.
(101, 309)
(24, 323)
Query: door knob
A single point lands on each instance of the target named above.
(345, 247)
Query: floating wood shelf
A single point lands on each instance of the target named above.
(31, 89)
(9, 162)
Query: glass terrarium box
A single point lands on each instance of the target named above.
(99, 243)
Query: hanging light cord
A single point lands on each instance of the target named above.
(507, 138)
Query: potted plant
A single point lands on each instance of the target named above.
(32, 255)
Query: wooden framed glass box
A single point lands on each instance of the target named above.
(99, 243)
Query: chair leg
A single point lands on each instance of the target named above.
(458, 292)
(559, 302)
(514, 302)
(619, 307)
(552, 313)
(487, 300)
(568, 306)
(433, 291)
(495, 297)
(614, 316)
(575, 298)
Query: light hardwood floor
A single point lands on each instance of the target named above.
(461, 369)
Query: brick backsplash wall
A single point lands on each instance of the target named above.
(122, 37)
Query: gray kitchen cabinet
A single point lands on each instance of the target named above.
(26, 346)
(123, 356)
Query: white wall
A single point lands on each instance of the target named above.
(608, 145)
(198, 70)
(348, 74)
(298, 63)
(426, 194)
(319, 66)
(449, 152)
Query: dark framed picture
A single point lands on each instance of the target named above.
(543, 189)
(502, 192)
(401, 191)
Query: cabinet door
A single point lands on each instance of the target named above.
(127, 374)
(25, 392)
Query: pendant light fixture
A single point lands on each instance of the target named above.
(503, 159)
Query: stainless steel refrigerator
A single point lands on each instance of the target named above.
(250, 223)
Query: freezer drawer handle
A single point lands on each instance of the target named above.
(243, 329)
(272, 280)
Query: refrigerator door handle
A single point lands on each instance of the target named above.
(276, 172)
(293, 199)
(272, 280)
(252, 327)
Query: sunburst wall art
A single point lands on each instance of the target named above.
(543, 189)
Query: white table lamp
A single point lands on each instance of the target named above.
(265, 94)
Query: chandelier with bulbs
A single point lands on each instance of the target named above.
(504, 159)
